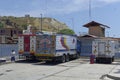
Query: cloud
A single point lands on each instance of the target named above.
(52, 7)
(110, 1)
(55, 7)
(62, 6)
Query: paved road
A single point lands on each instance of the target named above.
(79, 69)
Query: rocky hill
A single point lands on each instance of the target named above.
(48, 24)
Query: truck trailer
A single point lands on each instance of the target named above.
(47, 47)
(56, 47)
(104, 49)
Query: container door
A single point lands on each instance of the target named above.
(32, 44)
(101, 47)
(45, 44)
(27, 43)
(21, 44)
(78, 46)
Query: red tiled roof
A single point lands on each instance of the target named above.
(93, 23)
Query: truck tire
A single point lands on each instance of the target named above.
(67, 58)
(97, 60)
(110, 60)
(48, 62)
(63, 59)
(113, 59)
(77, 55)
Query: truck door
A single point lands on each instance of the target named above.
(78, 46)
(21, 44)
(27, 43)
(101, 47)
(45, 44)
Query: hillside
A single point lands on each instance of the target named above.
(48, 24)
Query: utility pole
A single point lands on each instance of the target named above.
(90, 13)
(72, 23)
(41, 22)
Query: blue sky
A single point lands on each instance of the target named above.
(74, 13)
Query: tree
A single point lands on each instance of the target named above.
(24, 26)
(66, 31)
(1, 25)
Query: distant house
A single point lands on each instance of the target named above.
(96, 28)
(9, 34)
(96, 31)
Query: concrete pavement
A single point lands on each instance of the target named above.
(77, 69)
(115, 72)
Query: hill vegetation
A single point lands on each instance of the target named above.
(48, 24)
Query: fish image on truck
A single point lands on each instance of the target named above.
(63, 42)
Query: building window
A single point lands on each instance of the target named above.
(2, 31)
(19, 32)
(14, 31)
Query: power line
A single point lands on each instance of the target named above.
(46, 6)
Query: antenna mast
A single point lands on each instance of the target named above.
(90, 13)
(41, 22)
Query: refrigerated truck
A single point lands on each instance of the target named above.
(57, 47)
(104, 49)
(27, 45)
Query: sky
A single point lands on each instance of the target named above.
(74, 13)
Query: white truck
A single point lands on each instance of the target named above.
(56, 47)
(104, 49)
(49, 47)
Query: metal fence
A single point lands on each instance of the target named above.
(5, 49)
(86, 48)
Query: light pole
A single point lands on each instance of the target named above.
(41, 22)
(72, 19)
(90, 13)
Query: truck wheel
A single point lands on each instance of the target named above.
(97, 60)
(33, 58)
(63, 58)
(77, 55)
(67, 58)
(112, 59)
(48, 62)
